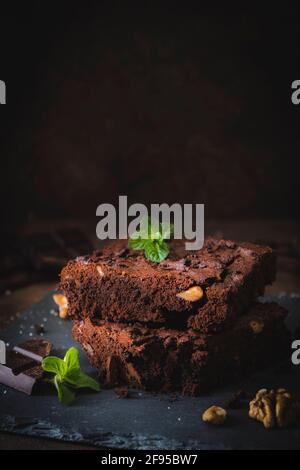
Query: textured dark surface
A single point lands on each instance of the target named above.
(144, 421)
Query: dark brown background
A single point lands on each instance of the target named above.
(168, 104)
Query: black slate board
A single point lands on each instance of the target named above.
(145, 421)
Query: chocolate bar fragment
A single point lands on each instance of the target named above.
(163, 359)
(18, 362)
(204, 289)
(22, 369)
(23, 382)
(35, 349)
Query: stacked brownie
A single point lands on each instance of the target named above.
(186, 324)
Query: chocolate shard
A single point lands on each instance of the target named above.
(22, 369)
(17, 362)
(21, 382)
(35, 349)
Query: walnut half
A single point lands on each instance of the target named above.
(274, 408)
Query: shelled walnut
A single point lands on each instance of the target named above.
(274, 408)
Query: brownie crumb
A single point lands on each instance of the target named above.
(39, 329)
(235, 401)
(122, 392)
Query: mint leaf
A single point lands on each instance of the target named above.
(156, 251)
(151, 240)
(71, 360)
(145, 228)
(137, 243)
(68, 375)
(85, 381)
(55, 365)
(65, 395)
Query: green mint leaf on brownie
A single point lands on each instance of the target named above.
(156, 251)
(55, 365)
(151, 239)
(68, 375)
(137, 243)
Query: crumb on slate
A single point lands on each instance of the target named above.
(235, 401)
(39, 329)
(122, 392)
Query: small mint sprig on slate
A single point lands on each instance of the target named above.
(68, 375)
(152, 240)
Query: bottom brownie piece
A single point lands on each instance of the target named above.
(162, 359)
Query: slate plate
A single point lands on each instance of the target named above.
(145, 421)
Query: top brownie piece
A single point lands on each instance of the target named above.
(120, 284)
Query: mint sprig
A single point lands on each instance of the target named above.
(68, 375)
(152, 240)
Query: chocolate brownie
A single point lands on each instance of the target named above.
(163, 359)
(205, 287)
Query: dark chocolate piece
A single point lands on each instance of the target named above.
(35, 349)
(17, 362)
(22, 369)
(23, 382)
